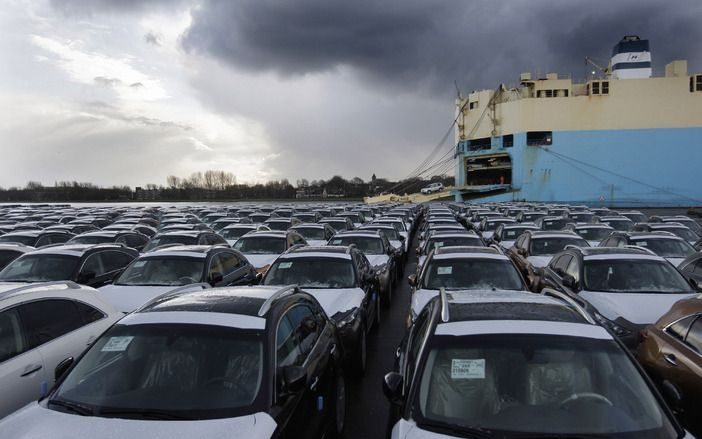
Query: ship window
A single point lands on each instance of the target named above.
(508, 140)
(698, 80)
(539, 93)
(595, 88)
(549, 93)
(537, 138)
(605, 87)
(565, 93)
(478, 144)
(473, 105)
(692, 84)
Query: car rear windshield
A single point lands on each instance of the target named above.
(163, 271)
(261, 245)
(169, 372)
(312, 273)
(667, 248)
(471, 274)
(235, 232)
(595, 233)
(311, 232)
(40, 268)
(538, 386)
(91, 240)
(440, 241)
(633, 276)
(512, 234)
(20, 239)
(551, 246)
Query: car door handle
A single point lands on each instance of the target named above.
(313, 386)
(31, 370)
(670, 358)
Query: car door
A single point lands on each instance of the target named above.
(23, 376)
(370, 287)
(690, 365)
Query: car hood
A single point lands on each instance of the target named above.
(376, 260)
(335, 300)
(409, 430)
(640, 309)
(35, 421)
(259, 261)
(539, 261)
(127, 298)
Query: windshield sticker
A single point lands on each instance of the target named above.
(641, 243)
(468, 369)
(139, 264)
(284, 265)
(336, 242)
(438, 244)
(117, 344)
(444, 270)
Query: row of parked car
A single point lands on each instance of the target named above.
(497, 345)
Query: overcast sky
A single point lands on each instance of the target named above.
(130, 91)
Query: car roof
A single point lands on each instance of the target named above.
(553, 234)
(191, 233)
(8, 290)
(653, 235)
(196, 251)
(76, 250)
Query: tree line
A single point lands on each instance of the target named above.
(215, 185)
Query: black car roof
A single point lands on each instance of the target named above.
(208, 300)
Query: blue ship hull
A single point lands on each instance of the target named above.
(621, 168)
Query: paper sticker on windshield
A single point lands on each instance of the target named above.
(139, 264)
(468, 369)
(438, 244)
(284, 265)
(336, 242)
(444, 270)
(117, 344)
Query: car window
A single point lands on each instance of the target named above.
(11, 340)
(562, 263)
(698, 267)
(46, 320)
(573, 269)
(230, 262)
(113, 260)
(306, 327)
(679, 329)
(520, 241)
(88, 313)
(694, 336)
(417, 333)
(94, 263)
(297, 239)
(288, 351)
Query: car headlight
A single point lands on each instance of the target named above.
(346, 317)
(618, 330)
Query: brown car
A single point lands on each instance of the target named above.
(671, 352)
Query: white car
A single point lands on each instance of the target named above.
(434, 187)
(41, 325)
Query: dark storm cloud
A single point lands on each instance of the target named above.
(432, 42)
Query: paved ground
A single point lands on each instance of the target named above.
(368, 408)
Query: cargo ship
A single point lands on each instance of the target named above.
(621, 138)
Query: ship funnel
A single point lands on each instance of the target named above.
(631, 58)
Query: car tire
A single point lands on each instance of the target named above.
(338, 424)
(361, 355)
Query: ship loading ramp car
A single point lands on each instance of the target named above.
(41, 325)
(182, 268)
(432, 188)
(624, 289)
(246, 362)
(518, 365)
(463, 268)
(671, 352)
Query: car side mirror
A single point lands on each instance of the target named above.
(672, 394)
(569, 281)
(295, 378)
(392, 387)
(215, 278)
(62, 368)
(258, 278)
(412, 280)
(86, 277)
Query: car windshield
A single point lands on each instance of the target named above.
(389, 232)
(471, 274)
(163, 271)
(512, 234)
(159, 241)
(582, 217)
(167, 371)
(91, 240)
(551, 246)
(278, 225)
(692, 224)
(235, 232)
(368, 245)
(261, 245)
(441, 241)
(633, 276)
(40, 268)
(554, 224)
(594, 233)
(21, 239)
(311, 232)
(7, 256)
(336, 225)
(312, 273)
(490, 226)
(622, 225)
(543, 386)
(686, 234)
(667, 248)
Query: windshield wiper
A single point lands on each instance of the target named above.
(457, 429)
(557, 436)
(80, 409)
(144, 414)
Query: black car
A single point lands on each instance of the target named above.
(11, 251)
(184, 237)
(268, 358)
(36, 238)
(91, 265)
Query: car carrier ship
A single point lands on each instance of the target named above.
(623, 138)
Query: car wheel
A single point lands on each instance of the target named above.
(361, 352)
(339, 406)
